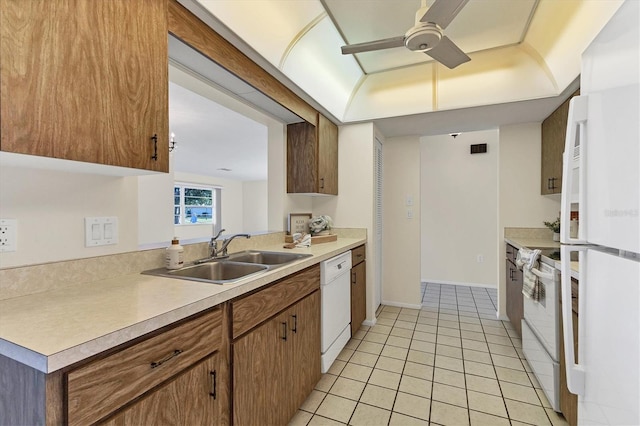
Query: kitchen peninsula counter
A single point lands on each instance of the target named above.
(51, 330)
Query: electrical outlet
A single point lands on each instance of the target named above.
(8, 235)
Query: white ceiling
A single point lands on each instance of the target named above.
(525, 60)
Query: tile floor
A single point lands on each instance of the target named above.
(449, 363)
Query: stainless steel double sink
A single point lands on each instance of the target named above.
(230, 269)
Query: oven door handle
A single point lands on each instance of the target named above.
(542, 275)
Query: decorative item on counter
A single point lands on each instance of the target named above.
(320, 225)
(293, 241)
(555, 227)
(298, 223)
(174, 256)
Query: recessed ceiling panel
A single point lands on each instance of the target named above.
(481, 25)
(268, 26)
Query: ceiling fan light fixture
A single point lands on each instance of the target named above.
(423, 38)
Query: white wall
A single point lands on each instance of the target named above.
(520, 202)
(354, 205)
(459, 198)
(401, 235)
(254, 206)
(50, 207)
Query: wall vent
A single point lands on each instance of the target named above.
(479, 148)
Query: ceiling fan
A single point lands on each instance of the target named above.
(425, 36)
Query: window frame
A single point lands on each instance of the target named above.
(215, 204)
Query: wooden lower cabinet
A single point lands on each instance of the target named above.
(277, 364)
(358, 296)
(195, 397)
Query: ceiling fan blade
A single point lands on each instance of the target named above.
(442, 12)
(448, 54)
(386, 43)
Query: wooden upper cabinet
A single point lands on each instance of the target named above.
(86, 80)
(554, 130)
(312, 157)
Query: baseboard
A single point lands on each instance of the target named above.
(402, 305)
(501, 317)
(370, 323)
(458, 283)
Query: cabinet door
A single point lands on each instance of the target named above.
(304, 319)
(358, 296)
(85, 80)
(302, 158)
(260, 365)
(193, 398)
(327, 156)
(554, 130)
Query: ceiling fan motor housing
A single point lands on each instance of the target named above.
(423, 37)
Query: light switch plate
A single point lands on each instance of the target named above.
(100, 231)
(8, 235)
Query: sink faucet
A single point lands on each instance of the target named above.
(223, 249)
(213, 244)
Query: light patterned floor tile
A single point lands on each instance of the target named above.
(337, 408)
(484, 419)
(556, 419)
(401, 342)
(448, 377)
(507, 362)
(301, 418)
(386, 379)
(378, 396)
(513, 376)
(401, 332)
(452, 351)
(419, 345)
(520, 393)
(325, 383)
(527, 413)
(364, 358)
(421, 357)
(490, 404)
(477, 356)
(367, 415)
(313, 401)
(479, 369)
(449, 363)
(449, 394)
(356, 372)
(394, 352)
(336, 367)
(483, 384)
(345, 354)
(494, 348)
(415, 386)
(390, 364)
(421, 371)
(347, 388)
(381, 329)
(446, 414)
(375, 337)
(371, 347)
(412, 405)
(323, 421)
(398, 419)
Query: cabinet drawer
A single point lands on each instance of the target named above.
(250, 311)
(100, 387)
(357, 255)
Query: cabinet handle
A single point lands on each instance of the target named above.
(551, 183)
(295, 323)
(214, 384)
(154, 138)
(284, 331)
(353, 277)
(511, 274)
(321, 183)
(167, 358)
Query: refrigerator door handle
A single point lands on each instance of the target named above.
(575, 371)
(575, 127)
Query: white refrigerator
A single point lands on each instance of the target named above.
(601, 180)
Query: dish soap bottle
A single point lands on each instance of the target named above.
(174, 255)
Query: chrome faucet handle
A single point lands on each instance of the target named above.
(218, 235)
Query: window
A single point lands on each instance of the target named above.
(196, 204)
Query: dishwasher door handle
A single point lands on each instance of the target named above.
(543, 275)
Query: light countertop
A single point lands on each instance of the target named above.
(536, 243)
(54, 329)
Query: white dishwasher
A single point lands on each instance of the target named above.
(335, 291)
